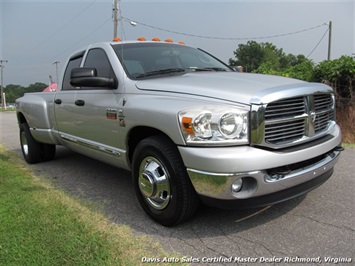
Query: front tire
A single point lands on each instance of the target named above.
(161, 182)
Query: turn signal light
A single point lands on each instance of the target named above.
(187, 124)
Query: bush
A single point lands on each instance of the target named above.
(340, 75)
(345, 119)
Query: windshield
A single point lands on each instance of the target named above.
(146, 60)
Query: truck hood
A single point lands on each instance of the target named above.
(232, 86)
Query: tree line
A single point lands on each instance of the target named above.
(266, 58)
(12, 92)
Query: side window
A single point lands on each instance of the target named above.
(97, 58)
(74, 62)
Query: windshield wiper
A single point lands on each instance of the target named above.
(210, 69)
(161, 72)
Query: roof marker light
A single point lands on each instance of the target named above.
(116, 39)
(156, 39)
(168, 40)
(181, 42)
(141, 39)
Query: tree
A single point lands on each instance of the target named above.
(302, 70)
(266, 58)
(13, 92)
(36, 87)
(249, 55)
(340, 75)
(254, 55)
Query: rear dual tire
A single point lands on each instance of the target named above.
(33, 151)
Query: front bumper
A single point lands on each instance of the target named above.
(213, 170)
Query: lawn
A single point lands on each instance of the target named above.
(41, 225)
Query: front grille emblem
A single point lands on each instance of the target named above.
(313, 116)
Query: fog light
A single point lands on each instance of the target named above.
(237, 185)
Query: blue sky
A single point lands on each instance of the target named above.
(34, 34)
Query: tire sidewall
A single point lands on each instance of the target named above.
(34, 149)
(171, 213)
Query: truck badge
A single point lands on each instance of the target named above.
(111, 114)
(313, 116)
(121, 118)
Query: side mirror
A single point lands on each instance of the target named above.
(87, 77)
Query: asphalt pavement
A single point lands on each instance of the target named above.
(315, 229)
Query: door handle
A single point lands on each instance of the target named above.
(58, 101)
(79, 102)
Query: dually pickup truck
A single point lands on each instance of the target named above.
(190, 128)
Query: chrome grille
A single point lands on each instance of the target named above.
(285, 108)
(299, 118)
(323, 106)
(284, 132)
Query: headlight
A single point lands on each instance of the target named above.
(215, 125)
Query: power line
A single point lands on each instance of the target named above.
(224, 38)
(96, 29)
(61, 28)
(318, 43)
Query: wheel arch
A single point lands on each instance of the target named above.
(137, 134)
(21, 118)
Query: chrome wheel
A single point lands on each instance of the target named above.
(161, 183)
(31, 149)
(24, 143)
(154, 184)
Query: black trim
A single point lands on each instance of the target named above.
(269, 199)
(77, 55)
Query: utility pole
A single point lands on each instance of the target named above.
(56, 67)
(330, 40)
(2, 83)
(115, 19)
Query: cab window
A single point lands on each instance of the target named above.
(97, 58)
(74, 62)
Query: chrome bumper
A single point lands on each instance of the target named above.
(257, 168)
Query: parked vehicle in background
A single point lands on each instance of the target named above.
(187, 126)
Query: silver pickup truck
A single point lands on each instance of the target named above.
(189, 128)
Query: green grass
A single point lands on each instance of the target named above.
(348, 145)
(7, 109)
(41, 225)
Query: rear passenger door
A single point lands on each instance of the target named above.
(65, 98)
